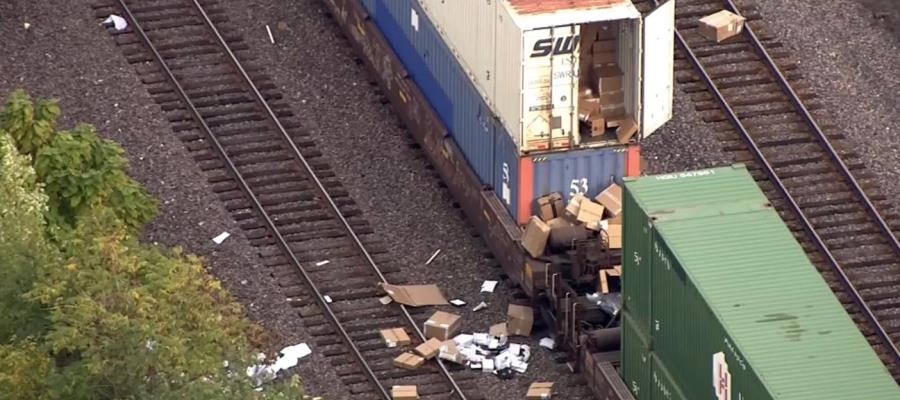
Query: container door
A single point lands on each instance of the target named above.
(659, 67)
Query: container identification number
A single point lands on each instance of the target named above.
(689, 174)
(578, 186)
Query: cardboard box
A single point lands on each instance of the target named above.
(611, 198)
(574, 205)
(604, 30)
(442, 325)
(429, 349)
(626, 130)
(590, 214)
(617, 220)
(613, 111)
(606, 79)
(598, 126)
(394, 337)
(604, 59)
(408, 361)
(604, 46)
(519, 320)
(616, 121)
(721, 25)
(499, 330)
(404, 392)
(550, 206)
(415, 295)
(535, 238)
(614, 233)
(589, 105)
(616, 97)
(539, 391)
(449, 352)
(605, 274)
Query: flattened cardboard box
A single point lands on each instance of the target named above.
(611, 198)
(404, 392)
(442, 325)
(429, 349)
(535, 238)
(415, 295)
(539, 391)
(519, 320)
(394, 337)
(408, 361)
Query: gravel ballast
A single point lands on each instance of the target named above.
(66, 55)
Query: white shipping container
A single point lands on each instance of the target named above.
(525, 62)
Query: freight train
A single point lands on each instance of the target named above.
(515, 99)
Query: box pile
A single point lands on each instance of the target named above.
(582, 218)
(601, 99)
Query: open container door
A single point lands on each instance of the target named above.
(659, 67)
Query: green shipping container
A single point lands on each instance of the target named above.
(720, 302)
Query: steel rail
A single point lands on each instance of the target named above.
(779, 185)
(321, 188)
(282, 243)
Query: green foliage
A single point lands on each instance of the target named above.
(22, 246)
(93, 313)
(82, 171)
(30, 126)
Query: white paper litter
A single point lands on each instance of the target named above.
(385, 300)
(271, 38)
(547, 343)
(327, 298)
(480, 306)
(488, 286)
(433, 256)
(493, 354)
(221, 238)
(458, 302)
(321, 263)
(289, 357)
(118, 22)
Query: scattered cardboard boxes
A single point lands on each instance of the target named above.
(442, 325)
(721, 25)
(550, 206)
(519, 320)
(394, 337)
(408, 361)
(404, 392)
(539, 391)
(429, 349)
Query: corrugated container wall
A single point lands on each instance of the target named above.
(733, 308)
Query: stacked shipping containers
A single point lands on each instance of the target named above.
(475, 64)
(720, 302)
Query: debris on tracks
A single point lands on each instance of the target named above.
(442, 325)
(221, 237)
(488, 286)
(539, 391)
(269, 30)
(487, 352)
(408, 361)
(547, 343)
(479, 307)
(323, 262)
(288, 358)
(404, 392)
(117, 22)
(519, 320)
(394, 337)
(721, 25)
(433, 256)
(415, 295)
(458, 302)
(429, 349)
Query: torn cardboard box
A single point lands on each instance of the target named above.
(415, 295)
(408, 361)
(449, 352)
(519, 320)
(404, 392)
(539, 391)
(442, 325)
(611, 199)
(574, 205)
(429, 349)
(535, 238)
(721, 25)
(626, 130)
(590, 214)
(550, 206)
(394, 337)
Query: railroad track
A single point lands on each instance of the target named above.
(750, 84)
(270, 176)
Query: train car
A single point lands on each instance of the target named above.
(540, 97)
(721, 302)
